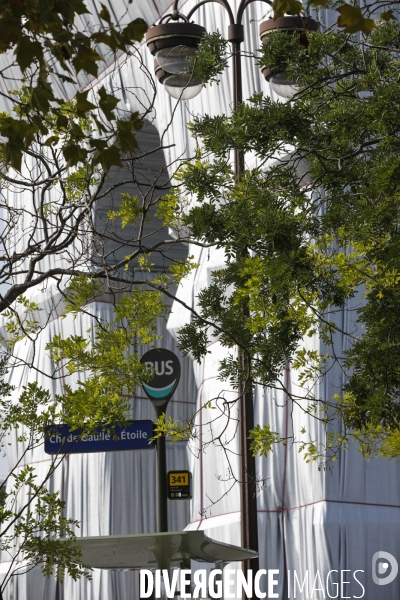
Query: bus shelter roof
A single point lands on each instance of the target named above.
(157, 550)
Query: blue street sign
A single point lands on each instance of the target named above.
(135, 436)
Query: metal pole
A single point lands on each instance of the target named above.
(246, 408)
(248, 476)
(236, 37)
(161, 473)
(248, 498)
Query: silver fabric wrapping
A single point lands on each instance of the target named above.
(308, 519)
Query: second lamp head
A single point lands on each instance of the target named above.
(172, 45)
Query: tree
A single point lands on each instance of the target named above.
(312, 228)
(57, 152)
(296, 254)
(62, 148)
(31, 516)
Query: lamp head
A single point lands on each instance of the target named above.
(179, 86)
(279, 81)
(172, 45)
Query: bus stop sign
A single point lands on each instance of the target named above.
(179, 484)
(166, 370)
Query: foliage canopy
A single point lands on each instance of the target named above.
(311, 233)
(58, 142)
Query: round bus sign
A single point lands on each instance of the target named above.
(166, 370)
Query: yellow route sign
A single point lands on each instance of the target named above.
(179, 485)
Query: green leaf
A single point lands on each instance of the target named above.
(13, 155)
(125, 136)
(61, 51)
(62, 121)
(53, 139)
(210, 59)
(67, 79)
(70, 8)
(107, 103)
(100, 145)
(262, 440)
(26, 51)
(130, 209)
(352, 19)
(86, 60)
(104, 14)
(387, 15)
(108, 157)
(101, 127)
(82, 103)
(74, 154)
(40, 98)
(20, 135)
(321, 3)
(281, 7)
(101, 37)
(76, 130)
(113, 39)
(38, 121)
(134, 31)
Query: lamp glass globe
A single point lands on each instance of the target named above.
(175, 59)
(182, 87)
(283, 86)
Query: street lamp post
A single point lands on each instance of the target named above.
(166, 370)
(171, 41)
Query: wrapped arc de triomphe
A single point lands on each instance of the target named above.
(308, 519)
